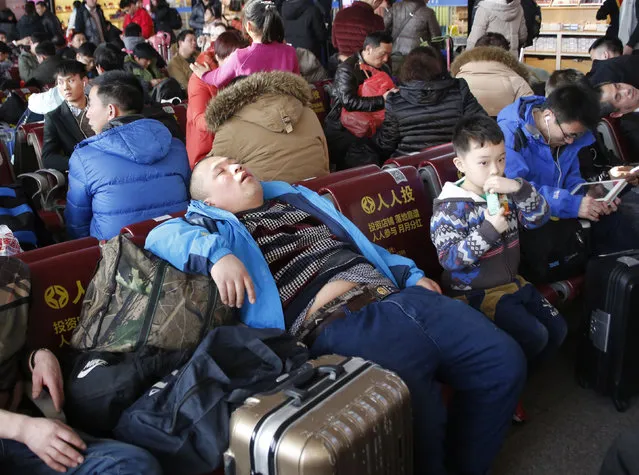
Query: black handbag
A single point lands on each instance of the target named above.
(556, 251)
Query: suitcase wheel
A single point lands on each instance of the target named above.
(621, 405)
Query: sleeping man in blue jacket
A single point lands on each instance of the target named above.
(287, 259)
(130, 171)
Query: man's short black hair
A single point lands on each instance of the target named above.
(376, 38)
(183, 34)
(133, 29)
(572, 103)
(479, 129)
(122, 89)
(4, 48)
(109, 57)
(126, 3)
(43, 4)
(144, 51)
(40, 36)
(613, 45)
(70, 68)
(46, 48)
(564, 77)
(87, 49)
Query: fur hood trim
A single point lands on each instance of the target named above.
(490, 53)
(235, 97)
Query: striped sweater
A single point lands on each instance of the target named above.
(473, 254)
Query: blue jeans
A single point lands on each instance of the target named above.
(424, 337)
(102, 457)
(532, 321)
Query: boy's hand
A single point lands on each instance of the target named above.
(429, 284)
(499, 220)
(500, 184)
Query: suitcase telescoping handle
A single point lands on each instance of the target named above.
(309, 373)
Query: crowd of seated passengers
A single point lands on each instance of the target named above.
(554, 127)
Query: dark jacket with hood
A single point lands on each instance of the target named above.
(424, 114)
(411, 22)
(304, 25)
(132, 171)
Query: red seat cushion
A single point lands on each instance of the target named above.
(35, 138)
(392, 210)
(179, 112)
(139, 231)
(318, 183)
(320, 99)
(57, 249)
(58, 285)
(428, 154)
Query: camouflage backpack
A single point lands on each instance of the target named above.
(136, 299)
(15, 287)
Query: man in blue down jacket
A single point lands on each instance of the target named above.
(307, 269)
(132, 170)
(543, 139)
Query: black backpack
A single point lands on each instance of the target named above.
(184, 420)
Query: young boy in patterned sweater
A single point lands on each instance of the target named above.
(480, 252)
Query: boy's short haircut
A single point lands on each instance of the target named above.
(144, 51)
(564, 77)
(87, 49)
(70, 68)
(133, 29)
(46, 48)
(126, 3)
(109, 57)
(479, 129)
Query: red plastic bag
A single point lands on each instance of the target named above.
(364, 124)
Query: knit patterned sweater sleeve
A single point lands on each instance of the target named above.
(460, 234)
(532, 209)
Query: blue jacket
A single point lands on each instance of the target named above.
(124, 175)
(528, 156)
(196, 248)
